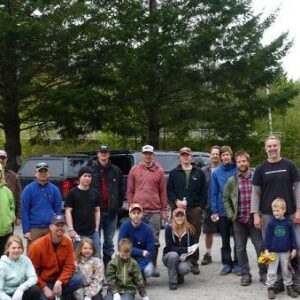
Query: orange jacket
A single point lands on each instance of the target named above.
(51, 265)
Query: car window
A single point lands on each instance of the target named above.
(167, 161)
(75, 164)
(55, 167)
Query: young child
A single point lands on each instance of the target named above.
(280, 238)
(91, 268)
(123, 275)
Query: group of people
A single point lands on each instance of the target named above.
(226, 196)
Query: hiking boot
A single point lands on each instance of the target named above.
(180, 279)
(278, 287)
(226, 270)
(237, 270)
(195, 270)
(155, 272)
(246, 279)
(206, 259)
(172, 286)
(271, 293)
(291, 291)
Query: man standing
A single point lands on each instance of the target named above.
(83, 210)
(209, 227)
(273, 178)
(237, 202)
(187, 189)
(12, 181)
(147, 186)
(107, 180)
(53, 260)
(218, 180)
(40, 201)
(141, 236)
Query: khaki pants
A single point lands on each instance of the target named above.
(36, 233)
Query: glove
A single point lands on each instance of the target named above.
(117, 296)
(87, 298)
(266, 259)
(145, 298)
(18, 295)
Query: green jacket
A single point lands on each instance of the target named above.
(231, 197)
(7, 211)
(124, 276)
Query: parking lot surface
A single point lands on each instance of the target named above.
(209, 285)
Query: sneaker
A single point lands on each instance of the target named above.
(278, 287)
(237, 270)
(291, 291)
(172, 286)
(180, 279)
(271, 293)
(206, 259)
(226, 270)
(155, 272)
(195, 270)
(246, 279)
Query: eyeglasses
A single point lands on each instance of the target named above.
(3, 157)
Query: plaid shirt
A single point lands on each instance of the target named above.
(245, 190)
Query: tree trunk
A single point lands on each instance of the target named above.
(154, 126)
(10, 117)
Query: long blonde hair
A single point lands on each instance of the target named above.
(185, 226)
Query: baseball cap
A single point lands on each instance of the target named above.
(135, 205)
(186, 150)
(103, 148)
(148, 148)
(178, 210)
(41, 166)
(3, 153)
(57, 219)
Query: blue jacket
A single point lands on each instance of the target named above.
(280, 236)
(39, 204)
(218, 180)
(142, 238)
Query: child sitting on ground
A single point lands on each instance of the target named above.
(280, 238)
(123, 275)
(91, 268)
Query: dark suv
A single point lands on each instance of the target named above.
(63, 170)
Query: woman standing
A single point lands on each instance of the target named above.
(17, 275)
(179, 246)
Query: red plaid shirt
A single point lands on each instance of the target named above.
(245, 190)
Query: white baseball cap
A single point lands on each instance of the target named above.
(148, 148)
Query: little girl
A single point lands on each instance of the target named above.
(91, 268)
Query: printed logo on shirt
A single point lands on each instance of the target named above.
(276, 171)
(279, 231)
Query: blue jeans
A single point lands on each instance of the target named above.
(108, 225)
(225, 230)
(74, 284)
(94, 237)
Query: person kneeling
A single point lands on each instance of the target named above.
(179, 246)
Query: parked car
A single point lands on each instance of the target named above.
(63, 170)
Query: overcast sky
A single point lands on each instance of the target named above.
(288, 20)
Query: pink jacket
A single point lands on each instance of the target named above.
(147, 187)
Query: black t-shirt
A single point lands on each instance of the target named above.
(276, 180)
(83, 205)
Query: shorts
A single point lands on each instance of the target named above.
(208, 226)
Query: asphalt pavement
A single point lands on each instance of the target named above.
(208, 285)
